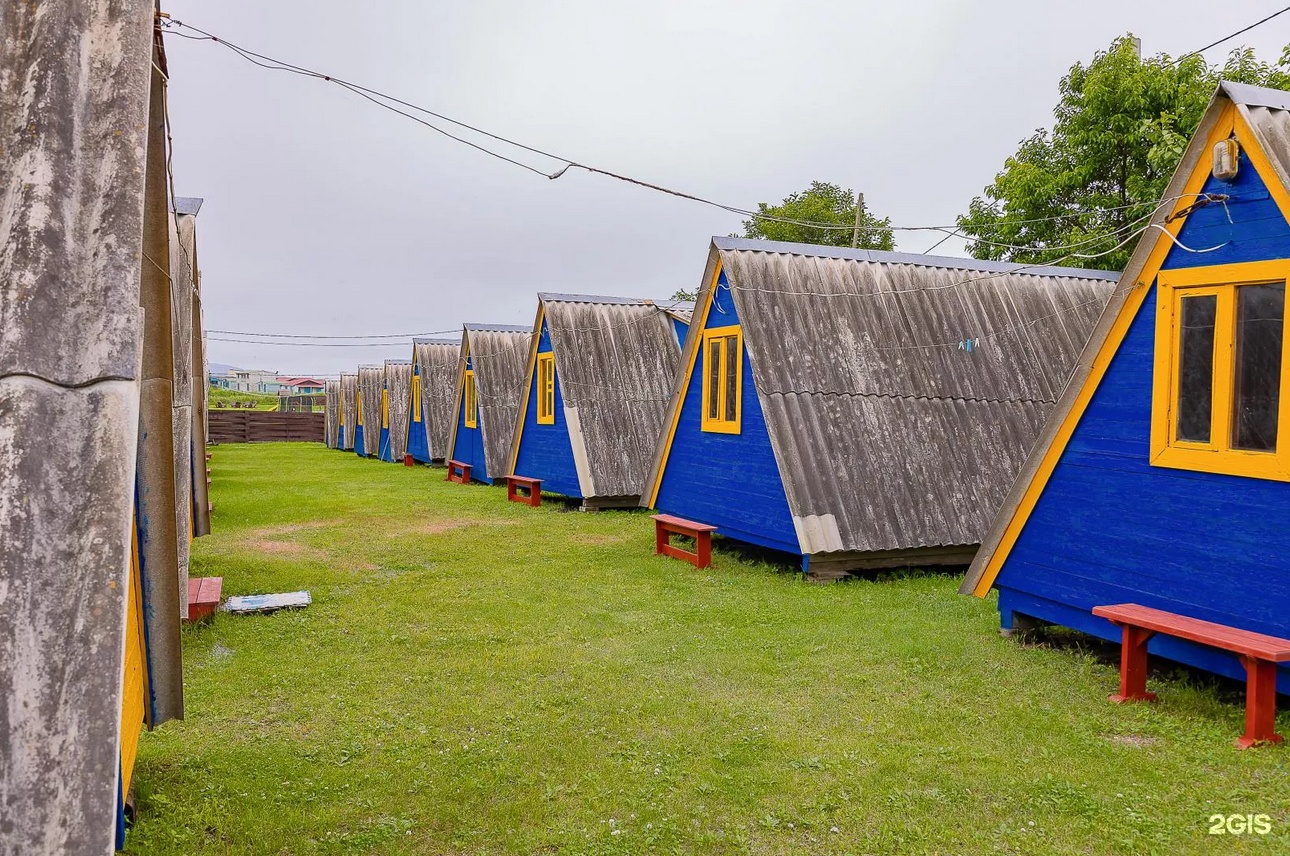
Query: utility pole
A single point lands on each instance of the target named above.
(855, 233)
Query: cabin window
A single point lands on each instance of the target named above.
(416, 398)
(468, 400)
(546, 389)
(358, 408)
(722, 379)
(385, 408)
(1220, 362)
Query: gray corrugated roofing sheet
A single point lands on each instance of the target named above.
(398, 383)
(495, 328)
(188, 205)
(349, 406)
(889, 435)
(1255, 96)
(616, 361)
(499, 354)
(371, 379)
(332, 412)
(438, 361)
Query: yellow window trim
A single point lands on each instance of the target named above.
(546, 389)
(358, 404)
(470, 402)
(416, 397)
(385, 408)
(720, 424)
(1216, 456)
(1228, 122)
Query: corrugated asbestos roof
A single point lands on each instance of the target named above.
(888, 432)
(349, 406)
(1268, 113)
(438, 361)
(499, 354)
(332, 412)
(398, 381)
(371, 380)
(616, 360)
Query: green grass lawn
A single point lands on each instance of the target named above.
(263, 400)
(478, 677)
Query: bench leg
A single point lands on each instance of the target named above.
(1133, 666)
(703, 549)
(660, 540)
(535, 497)
(1260, 703)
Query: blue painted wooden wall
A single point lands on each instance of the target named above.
(1110, 528)
(546, 452)
(727, 480)
(418, 441)
(340, 437)
(469, 445)
(682, 330)
(359, 442)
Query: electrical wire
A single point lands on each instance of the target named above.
(564, 163)
(1257, 23)
(321, 336)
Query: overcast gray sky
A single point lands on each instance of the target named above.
(327, 215)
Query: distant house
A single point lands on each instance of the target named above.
(248, 380)
(301, 386)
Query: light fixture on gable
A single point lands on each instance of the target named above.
(1227, 156)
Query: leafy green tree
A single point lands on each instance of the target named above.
(820, 203)
(1122, 123)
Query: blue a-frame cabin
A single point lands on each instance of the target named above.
(600, 375)
(490, 380)
(1161, 478)
(396, 403)
(331, 435)
(433, 393)
(370, 412)
(864, 409)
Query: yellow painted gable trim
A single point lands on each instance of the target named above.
(701, 318)
(385, 408)
(134, 690)
(528, 386)
(1223, 128)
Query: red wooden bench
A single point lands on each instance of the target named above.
(665, 526)
(203, 596)
(532, 488)
(1259, 654)
(458, 472)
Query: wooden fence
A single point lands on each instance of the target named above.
(251, 426)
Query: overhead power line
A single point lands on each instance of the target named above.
(1246, 29)
(561, 164)
(321, 336)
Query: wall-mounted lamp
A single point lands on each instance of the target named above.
(1227, 157)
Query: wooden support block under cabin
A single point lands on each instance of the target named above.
(665, 526)
(532, 490)
(458, 472)
(203, 597)
(1259, 654)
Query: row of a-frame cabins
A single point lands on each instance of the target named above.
(1076, 437)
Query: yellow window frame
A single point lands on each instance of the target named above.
(416, 397)
(358, 409)
(719, 392)
(385, 408)
(1217, 455)
(470, 399)
(546, 389)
